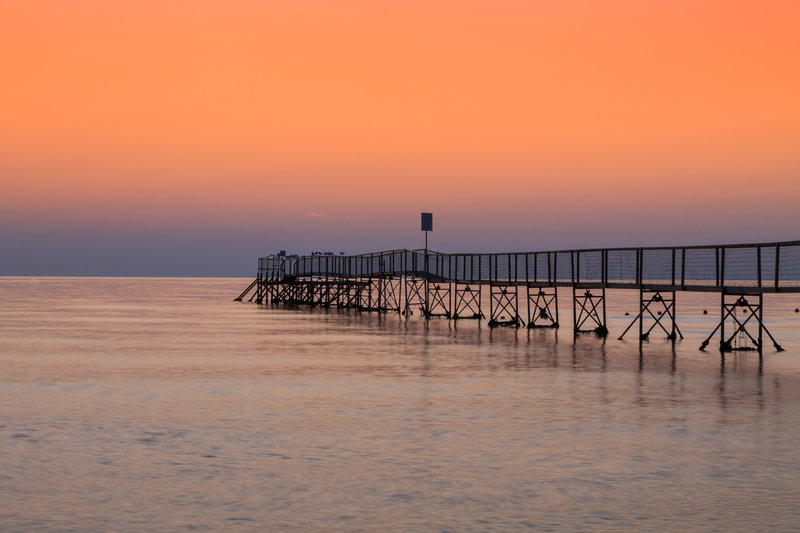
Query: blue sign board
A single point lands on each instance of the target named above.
(427, 221)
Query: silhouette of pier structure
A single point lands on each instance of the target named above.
(519, 289)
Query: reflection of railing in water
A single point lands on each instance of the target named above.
(450, 285)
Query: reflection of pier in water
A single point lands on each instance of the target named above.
(521, 288)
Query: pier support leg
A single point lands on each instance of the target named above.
(542, 307)
(468, 302)
(390, 290)
(323, 293)
(363, 294)
(314, 292)
(415, 290)
(258, 296)
(281, 294)
(274, 290)
(287, 290)
(439, 299)
(350, 294)
(337, 294)
(371, 295)
(504, 310)
(658, 306)
(744, 312)
(329, 296)
(589, 311)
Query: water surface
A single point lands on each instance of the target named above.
(159, 404)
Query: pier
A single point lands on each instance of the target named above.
(521, 289)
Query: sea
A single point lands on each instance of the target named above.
(159, 404)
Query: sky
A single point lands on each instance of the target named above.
(189, 137)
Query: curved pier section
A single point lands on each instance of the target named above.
(521, 288)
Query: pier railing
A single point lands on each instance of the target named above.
(762, 267)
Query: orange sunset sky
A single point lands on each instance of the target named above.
(189, 137)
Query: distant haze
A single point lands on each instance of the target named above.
(173, 138)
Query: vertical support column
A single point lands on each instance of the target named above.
(259, 297)
(403, 278)
(268, 290)
(427, 307)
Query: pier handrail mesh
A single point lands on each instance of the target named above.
(766, 267)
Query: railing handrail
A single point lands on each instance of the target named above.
(562, 251)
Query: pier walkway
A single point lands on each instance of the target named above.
(519, 288)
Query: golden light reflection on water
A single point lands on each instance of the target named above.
(139, 404)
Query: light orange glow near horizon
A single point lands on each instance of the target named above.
(620, 116)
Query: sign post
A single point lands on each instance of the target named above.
(427, 225)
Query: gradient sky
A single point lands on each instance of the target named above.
(178, 137)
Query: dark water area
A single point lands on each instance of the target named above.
(133, 404)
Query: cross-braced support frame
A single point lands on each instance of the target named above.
(542, 307)
(333, 292)
(389, 290)
(663, 314)
(272, 289)
(468, 302)
(504, 310)
(318, 292)
(744, 312)
(350, 294)
(415, 292)
(284, 292)
(589, 311)
(368, 296)
(439, 300)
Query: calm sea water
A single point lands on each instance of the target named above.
(159, 404)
